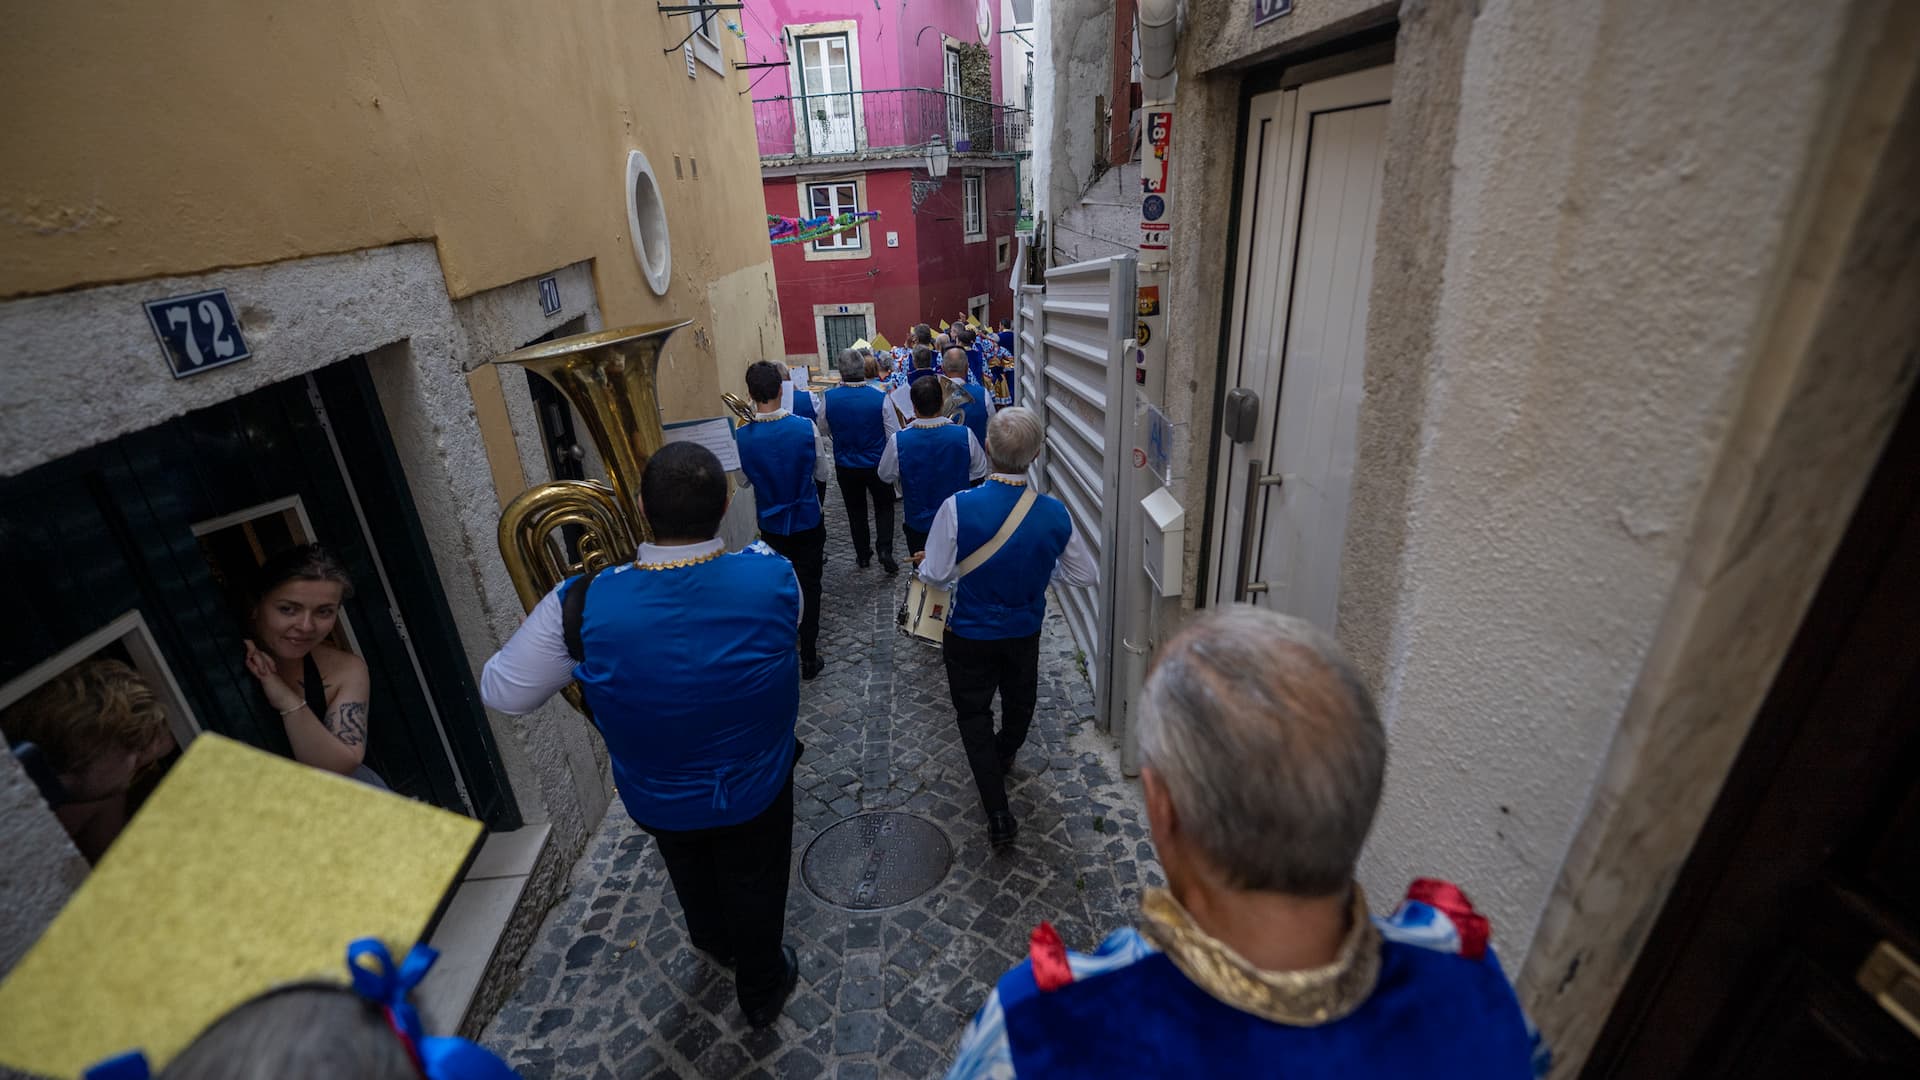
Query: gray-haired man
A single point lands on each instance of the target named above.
(1262, 759)
(993, 630)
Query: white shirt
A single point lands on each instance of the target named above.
(1075, 568)
(534, 664)
(889, 470)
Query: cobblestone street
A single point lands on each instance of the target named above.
(612, 989)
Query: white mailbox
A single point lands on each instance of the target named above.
(1165, 523)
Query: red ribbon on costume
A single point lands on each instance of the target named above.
(1049, 956)
(1446, 898)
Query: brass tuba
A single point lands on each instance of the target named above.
(608, 377)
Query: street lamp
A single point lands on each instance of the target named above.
(936, 156)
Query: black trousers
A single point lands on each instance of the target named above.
(975, 669)
(732, 885)
(806, 550)
(857, 486)
(916, 540)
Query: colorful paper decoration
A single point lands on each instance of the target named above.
(786, 230)
(880, 343)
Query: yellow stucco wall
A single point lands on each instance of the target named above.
(178, 136)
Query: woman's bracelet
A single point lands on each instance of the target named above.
(295, 709)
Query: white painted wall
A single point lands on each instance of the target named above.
(1044, 110)
(1619, 211)
(40, 867)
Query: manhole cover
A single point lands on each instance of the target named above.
(876, 861)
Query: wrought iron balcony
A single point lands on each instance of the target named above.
(882, 124)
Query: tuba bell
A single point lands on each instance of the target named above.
(608, 377)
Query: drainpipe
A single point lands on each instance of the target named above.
(1158, 29)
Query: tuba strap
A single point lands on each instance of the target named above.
(573, 609)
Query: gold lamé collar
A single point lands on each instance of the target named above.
(1301, 998)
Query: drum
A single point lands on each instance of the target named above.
(924, 613)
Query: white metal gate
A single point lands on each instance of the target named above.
(1073, 371)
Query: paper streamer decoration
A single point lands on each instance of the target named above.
(786, 230)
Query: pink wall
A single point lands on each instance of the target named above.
(928, 277)
(890, 56)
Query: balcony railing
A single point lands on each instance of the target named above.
(884, 123)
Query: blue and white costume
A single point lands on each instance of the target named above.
(1411, 996)
(699, 721)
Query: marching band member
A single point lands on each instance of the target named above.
(686, 658)
(973, 398)
(1262, 759)
(777, 454)
(855, 417)
(993, 630)
(932, 458)
(899, 411)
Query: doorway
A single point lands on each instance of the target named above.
(163, 527)
(1790, 943)
(1309, 202)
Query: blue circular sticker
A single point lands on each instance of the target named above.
(1153, 207)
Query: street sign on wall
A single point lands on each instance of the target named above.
(197, 332)
(1265, 11)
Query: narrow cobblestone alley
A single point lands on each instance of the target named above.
(612, 989)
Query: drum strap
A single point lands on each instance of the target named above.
(992, 547)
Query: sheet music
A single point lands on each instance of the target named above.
(715, 433)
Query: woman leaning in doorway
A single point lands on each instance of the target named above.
(320, 691)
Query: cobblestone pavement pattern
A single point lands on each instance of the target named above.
(611, 988)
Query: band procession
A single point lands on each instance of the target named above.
(965, 538)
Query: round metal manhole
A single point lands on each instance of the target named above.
(876, 861)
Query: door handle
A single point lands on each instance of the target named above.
(1249, 517)
(1241, 417)
(1893, 979)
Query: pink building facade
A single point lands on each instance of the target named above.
(849, 104)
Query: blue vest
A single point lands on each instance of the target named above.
(975, 415)
(916, 374)
(858, 426)
(1433, 1015)
(935, 462)
(976, 365)
(778, 457)
(803, 403)
(694, 680)
(1006, 597)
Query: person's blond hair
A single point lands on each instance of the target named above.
(93, 708)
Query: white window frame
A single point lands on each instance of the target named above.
(981, 308)
(950, 84)
(796, 74)
(861, 248)
(705, 41)
(973, 203)
(820, 313)
(129, 630)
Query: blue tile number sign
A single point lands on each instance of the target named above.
(1265, 11)
(197, 332)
